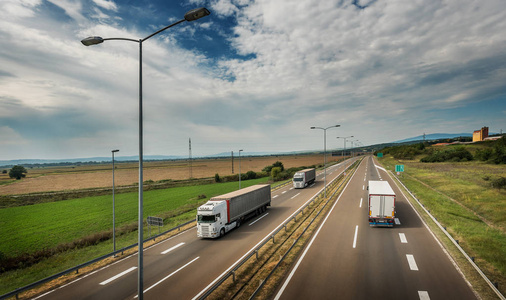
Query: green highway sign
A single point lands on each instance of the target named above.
(380, 155)
(399, 168)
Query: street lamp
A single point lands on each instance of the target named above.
(325, 155)
(353, 147)
(344, 137)
(113, 206)
(240, 168)
(191, 15)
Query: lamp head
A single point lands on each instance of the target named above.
(92, 40)
(196, 14)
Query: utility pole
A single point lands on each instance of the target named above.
(232, 162)
(190, 157)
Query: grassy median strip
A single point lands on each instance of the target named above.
(472, 213)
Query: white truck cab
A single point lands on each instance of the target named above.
(212, 218)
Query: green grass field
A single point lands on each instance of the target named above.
(31, 228)
(47, 225)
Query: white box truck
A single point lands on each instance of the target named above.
(381, 204)
(303, 178)
(223, 213)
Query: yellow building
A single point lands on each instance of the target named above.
(480, 135)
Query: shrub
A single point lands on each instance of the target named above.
(453, 154)
(17, 172)
(277, 164)
(483, 154)
(217, 178)
(499, 183)
(275, 173)
(251, 175)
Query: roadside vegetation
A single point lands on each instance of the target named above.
(493, 152)
(465, 194)
(279, 173)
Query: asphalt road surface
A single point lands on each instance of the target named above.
(184, 266)
(348, 259)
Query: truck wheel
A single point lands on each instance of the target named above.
(222, 232)
(238, 223)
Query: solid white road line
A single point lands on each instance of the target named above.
(411, 262)
(355, 238)
(287, 281)
(258, 219)
(424, 295)
(402, 236)
(170, 249)
(169, 275)
(118, 276)
(295, 196)
(361, 202)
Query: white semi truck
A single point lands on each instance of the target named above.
(381, 204)
(303, 178)
(223, 213)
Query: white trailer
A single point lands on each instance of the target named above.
(223, 213)
(303, 178)
(381, 204)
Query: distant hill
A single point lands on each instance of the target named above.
(94, 160)
(435, 136)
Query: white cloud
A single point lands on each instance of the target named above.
(16, 9)
(393, 67)
(73, 8)
(109, 5)
(10, 137)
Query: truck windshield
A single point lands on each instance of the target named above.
(206, 219)
(298, 179)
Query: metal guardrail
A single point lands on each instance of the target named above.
(298, 238)
(264, 241)
(443, 229)
(17, 291)
(76, 268)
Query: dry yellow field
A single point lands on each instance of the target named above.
(98, 176)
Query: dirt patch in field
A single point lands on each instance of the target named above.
(99, 176)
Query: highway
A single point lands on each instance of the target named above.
(348, 259)
(183, 266)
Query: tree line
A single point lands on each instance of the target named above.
(491, 152)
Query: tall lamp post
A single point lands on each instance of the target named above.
(113, 206)
(344, 137)
(353, 147)
(240, 168)
(191, 15)
(325, 156)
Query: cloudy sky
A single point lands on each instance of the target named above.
(254, 75)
